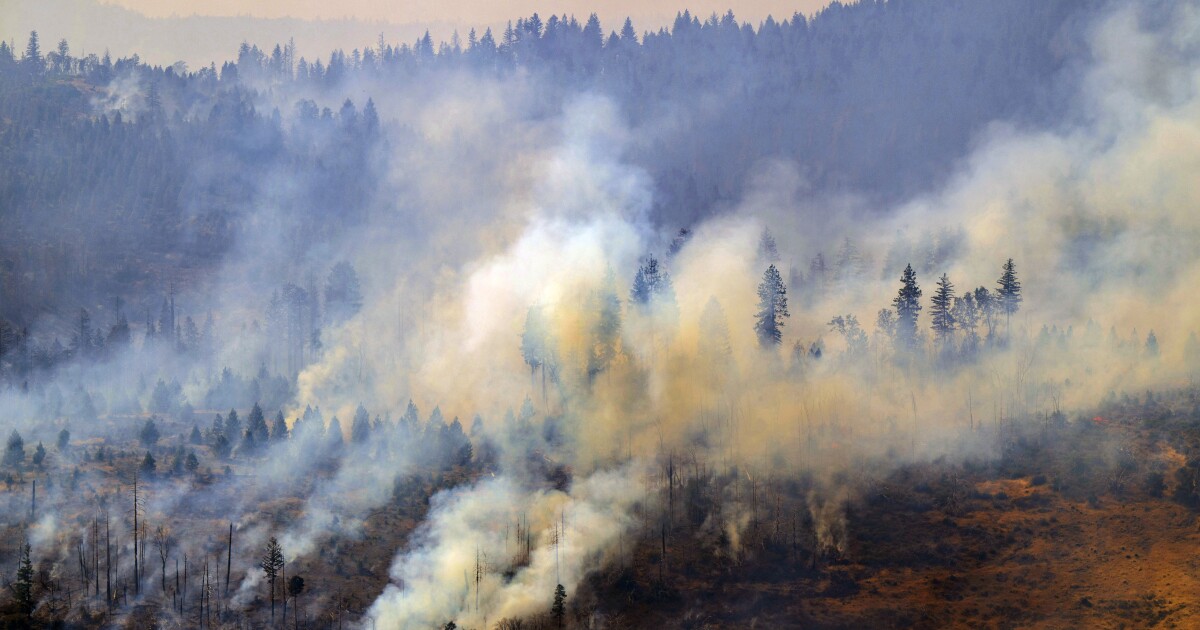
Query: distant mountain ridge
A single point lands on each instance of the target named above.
(92, 27)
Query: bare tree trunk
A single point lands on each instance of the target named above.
(228, 559)
(284, 615)
(96, 553)
(107, 564)
(136, 581)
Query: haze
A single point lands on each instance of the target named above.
(163, 32)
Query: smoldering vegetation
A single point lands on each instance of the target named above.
(552, 328)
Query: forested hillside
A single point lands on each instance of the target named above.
(118, 179)
(879, 317)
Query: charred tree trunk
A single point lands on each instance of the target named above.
(228, 558)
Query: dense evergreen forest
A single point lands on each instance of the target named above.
(119, 179)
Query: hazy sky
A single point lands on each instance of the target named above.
(473, 11)
(203, 31)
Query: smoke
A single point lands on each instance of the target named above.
(1099, 212)
(496, 199)
(474, 529)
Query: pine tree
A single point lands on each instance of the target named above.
(279, 429)
(257, 425)
(233, 426)
(360, 429)
(908, 307)
(333, 435)
(23, 586)
(940, 313)
(221, 447)
(628, 35)
(249, 443)
(651, 284)
(652, 297)
(14, 451)
(1008, 294)
(148, 465)
(33, 54)
(272, 563)
(772, 309)
(1151, 349)
(149, 433)
(559, 609)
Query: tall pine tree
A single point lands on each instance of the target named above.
(1008, 294)
(772, 309)
(941, 310)
(908, 307)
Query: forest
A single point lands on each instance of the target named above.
(877, 317)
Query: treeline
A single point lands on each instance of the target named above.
(108, 167)
(285, 338)
(933, 328)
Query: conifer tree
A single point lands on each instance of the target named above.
(1008, 294)
(233, 426)
(360, 429)
(148, 465)
(650, 284)
(559, 609)
(272, 563)
(257, 425)
(1151, 349)
(23, 586)
(279, 429)
(333, 435)
(940, 310)
(772, 309)
(33, 54)
(908, 307)
(149, 433)
(221, 446)
(14, 451)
